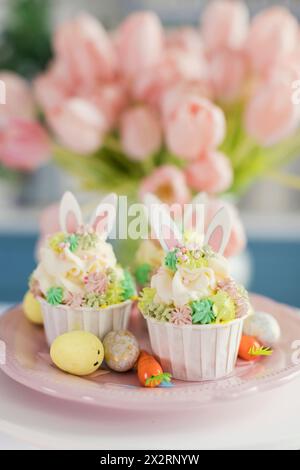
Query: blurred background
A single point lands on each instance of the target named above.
(269, 210)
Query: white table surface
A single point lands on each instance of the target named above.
(29, 420)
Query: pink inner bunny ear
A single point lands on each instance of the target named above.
(164, 227)
(104, 216)
(100, 224)
(219, 230)
(169, 237)
(70, 216)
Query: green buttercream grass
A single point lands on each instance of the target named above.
(88, 241)
(55, 295)
(149, 308)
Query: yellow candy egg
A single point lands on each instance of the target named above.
(77, 352)
(32, 309)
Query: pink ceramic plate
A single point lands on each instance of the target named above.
(28, 362)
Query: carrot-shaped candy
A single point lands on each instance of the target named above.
(149, 371)
(251, 350)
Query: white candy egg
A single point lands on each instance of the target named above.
(264, 327)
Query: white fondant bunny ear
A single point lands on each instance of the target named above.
(70, 216)
(220, 222)
(104, 216)
(164, 227)
(194, 215)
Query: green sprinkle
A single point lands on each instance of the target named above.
(55, 295)
(202, 312)
(73, 241)
(142, 273)
(171, 259)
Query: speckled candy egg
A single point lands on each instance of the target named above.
(77, 352)
(32, 309)
(263, 327)
(121, 350)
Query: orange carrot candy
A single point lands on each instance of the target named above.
(149, 371)
(251, 349)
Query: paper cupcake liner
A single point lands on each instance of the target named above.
(196, 352)
(62, 319)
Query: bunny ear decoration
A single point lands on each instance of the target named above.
(164, 227)
(70, 216)
(194, 215)
(221, 221)
(104, 216)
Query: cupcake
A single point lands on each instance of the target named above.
(78, 281)
(193, 308)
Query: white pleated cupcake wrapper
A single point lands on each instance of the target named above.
(60, 319)
(196, 352)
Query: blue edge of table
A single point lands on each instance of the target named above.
(276, 268)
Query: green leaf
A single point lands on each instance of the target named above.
(164, 377)
(262, 351)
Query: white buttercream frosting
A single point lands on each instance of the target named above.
(67, 269)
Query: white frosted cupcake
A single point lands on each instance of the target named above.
(78, 281)
(194, 309)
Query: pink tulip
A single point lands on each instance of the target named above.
(274, 33)
(110, 98)
(86, 48)
(141, 134)
(188, 39)
(78, 125)
(177, 66)
(225, 24)
(286, 68)
(168, 183)
(18, 97)
(211, 173)
(193, 125)
(237, 240)
(54, 86)
(271, 115)
(139, 43)
(228, 71)
(24, 144)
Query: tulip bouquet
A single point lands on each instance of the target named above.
(177, 111)
(24, 142)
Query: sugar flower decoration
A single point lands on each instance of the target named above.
(238, 295)
(55, 295)
(181, 316)
(73, 300)
(96, 282)
(72, 242)
(202, 312)
(171, 259)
